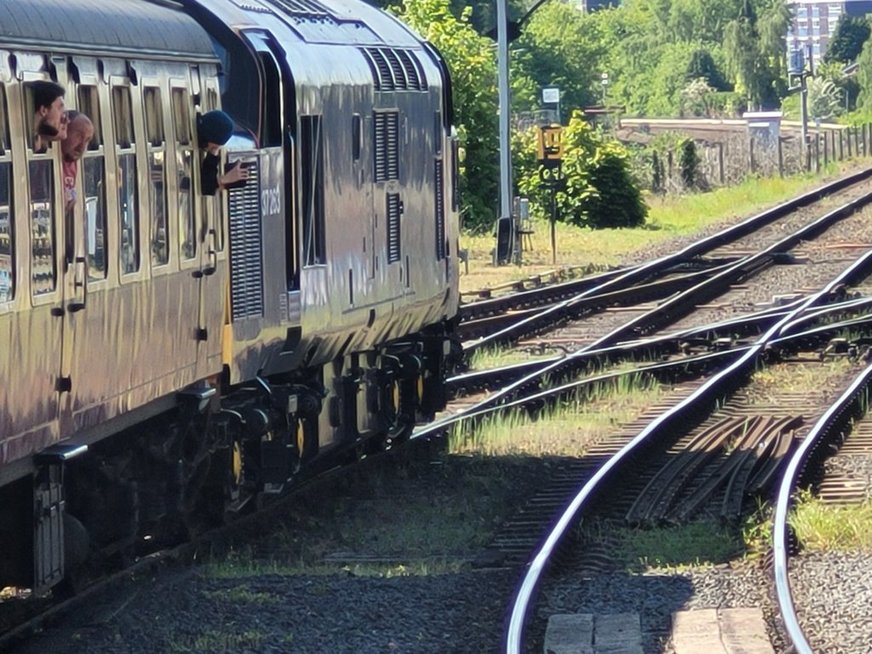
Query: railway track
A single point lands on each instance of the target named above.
(737, 442)
(684, 354)
(576, 298)
(841, 431)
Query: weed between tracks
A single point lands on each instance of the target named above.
(568, 428)
(487, 358)
(219, 641)
(820, 526)
(695, 545)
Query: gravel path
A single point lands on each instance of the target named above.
(186, 611)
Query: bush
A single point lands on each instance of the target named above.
(598, 189)
(688, 162)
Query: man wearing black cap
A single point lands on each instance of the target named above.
(214, 129)
(49, 118)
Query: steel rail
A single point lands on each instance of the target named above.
(678, 416)
(506, 324)
(743, 324)
(795, 467)
(539, 398)
(658, 266)
(535, 296)
(677, 306)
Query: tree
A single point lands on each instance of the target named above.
(755, 54)
(557, 48)
(825, 99)
(695, 98)
(848, 39)
(864, 77)
(472, 62)
(702, 65)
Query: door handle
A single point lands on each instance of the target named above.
(79, 283)
(213, 255)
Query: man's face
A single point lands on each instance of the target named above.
(55, 119)
(79, 135)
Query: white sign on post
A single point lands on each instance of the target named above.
(551, 95)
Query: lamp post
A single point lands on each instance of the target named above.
(506, 235)
(796, 69)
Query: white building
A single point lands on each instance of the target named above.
(814, 22)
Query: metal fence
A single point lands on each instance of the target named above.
(731, 159)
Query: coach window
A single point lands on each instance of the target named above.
(184, 168)
(41, 181)
(356, 136)
(127, 197)
(7, 252)
(93, 178)
(312, 182)
(160, 251)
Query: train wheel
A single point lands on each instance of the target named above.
(305, 441)
(402, 420)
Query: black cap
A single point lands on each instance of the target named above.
(45, 92)
(214, 127)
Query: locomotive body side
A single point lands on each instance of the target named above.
(359, 229)
(353, 253)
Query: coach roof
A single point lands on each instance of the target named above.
(142, 27)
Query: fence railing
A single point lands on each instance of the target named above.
(734, 157)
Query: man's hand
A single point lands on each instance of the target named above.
(235, 174)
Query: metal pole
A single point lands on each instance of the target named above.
(553, 224)
(803, 110)
(505, 144)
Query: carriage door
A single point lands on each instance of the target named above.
(40, 335)
(213, 279)
(84, 262)
(187, 243)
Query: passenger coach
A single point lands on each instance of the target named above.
(165, 353)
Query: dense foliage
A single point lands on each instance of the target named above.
(472, 62)
(848, 39)
(597, 189)
(711, 58)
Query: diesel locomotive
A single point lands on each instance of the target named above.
(169, 357)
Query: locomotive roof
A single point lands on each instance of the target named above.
(341, 22)
(143, 27)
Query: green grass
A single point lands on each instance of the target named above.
(486, 358)
(218, 641)
(698, 544)
(567, 429)
(781, 378)
(240, 565)
(820, 526)
(242, 596)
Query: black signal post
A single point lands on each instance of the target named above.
(550, 172)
